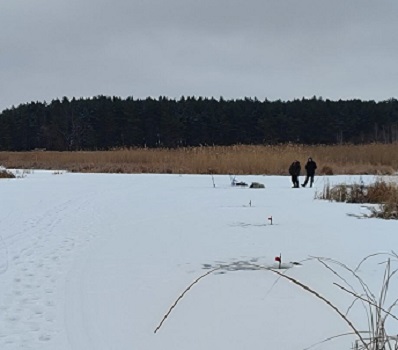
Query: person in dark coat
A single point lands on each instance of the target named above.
(310, 168)
(294, 171)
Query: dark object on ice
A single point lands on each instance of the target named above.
(256, 185)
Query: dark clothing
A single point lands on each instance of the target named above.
(294, 171)
(295, 168)
(309, 178)
(310, 168)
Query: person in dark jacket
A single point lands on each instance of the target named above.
(310, 168)
(294, 171)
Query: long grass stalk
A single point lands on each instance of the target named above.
(326, 301)
(182, 295)
(366, 290)
(366, 300)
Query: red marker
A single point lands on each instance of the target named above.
(279, 260)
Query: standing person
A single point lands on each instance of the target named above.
(310, 168)
(294, 171)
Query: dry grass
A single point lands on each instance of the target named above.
(4, 174)
(239, 160)
(380, 192)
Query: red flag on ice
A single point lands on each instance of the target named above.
(278, 258)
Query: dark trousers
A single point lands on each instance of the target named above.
(295, 180)
(309, 177)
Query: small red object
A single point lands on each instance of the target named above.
(277, 258)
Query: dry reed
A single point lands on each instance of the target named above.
(239, 159)
(4, 174)
(381, 192)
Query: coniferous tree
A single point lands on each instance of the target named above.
(105, 122)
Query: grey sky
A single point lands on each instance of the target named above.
(279, 49)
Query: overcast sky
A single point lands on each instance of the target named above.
(275, 49)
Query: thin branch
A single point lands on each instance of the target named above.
(352, 305)
(183, 293)
(346, 282)
(371, 256)
(326, 301)
(331, 338)
(334, 271)
(367, 301)
(364, 286)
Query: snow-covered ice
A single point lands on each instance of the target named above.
(94, 261)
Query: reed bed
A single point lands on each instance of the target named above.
(381, 192)
(239, 159)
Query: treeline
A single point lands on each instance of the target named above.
(102, 123)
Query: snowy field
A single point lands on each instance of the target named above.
(94, 261)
